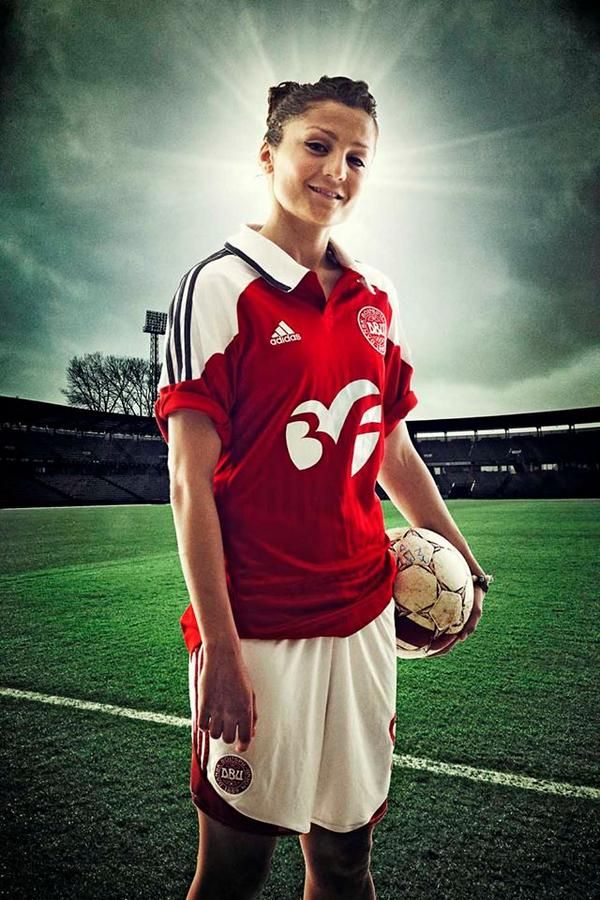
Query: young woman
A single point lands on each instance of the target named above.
(285, 383)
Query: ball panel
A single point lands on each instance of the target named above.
(450, 569)
(412, 548)
(415, 589)
(447, 612)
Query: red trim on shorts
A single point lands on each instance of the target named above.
(379, 813)
(206, 738)
(197, 732)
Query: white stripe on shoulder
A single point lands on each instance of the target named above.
(203, 315)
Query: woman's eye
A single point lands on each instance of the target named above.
(318, 146)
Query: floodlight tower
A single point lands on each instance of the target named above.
(156, 323)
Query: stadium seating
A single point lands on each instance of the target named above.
(147, 487)
(53, 455)
(441, 451)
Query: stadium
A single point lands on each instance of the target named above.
(57, 455)
(493, 774)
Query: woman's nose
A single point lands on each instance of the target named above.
(335, 167)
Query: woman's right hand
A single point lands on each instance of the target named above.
(226, 700)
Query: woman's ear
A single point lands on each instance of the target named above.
(264, 157)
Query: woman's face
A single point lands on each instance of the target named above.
(330, 149)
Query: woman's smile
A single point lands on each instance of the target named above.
(323, 192)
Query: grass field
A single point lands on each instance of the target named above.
(97, 805)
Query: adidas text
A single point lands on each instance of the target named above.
(283, 334)
(285, 338)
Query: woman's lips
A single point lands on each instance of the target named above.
(323, 193)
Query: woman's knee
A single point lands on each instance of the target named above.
(232, 858)
(337, 855)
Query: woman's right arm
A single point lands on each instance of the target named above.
(226, 697)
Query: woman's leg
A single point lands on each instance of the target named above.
(232, 865)
(337, 864)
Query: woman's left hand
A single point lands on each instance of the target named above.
(473, 620)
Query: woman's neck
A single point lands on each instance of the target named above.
(307, 246)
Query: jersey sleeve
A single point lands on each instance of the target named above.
(198, 362)
(399, 397)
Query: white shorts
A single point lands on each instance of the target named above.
(324, 738)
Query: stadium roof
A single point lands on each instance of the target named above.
(19, 411)
(583, 415)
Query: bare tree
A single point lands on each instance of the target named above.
(110, 384)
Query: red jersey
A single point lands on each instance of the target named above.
(302, 391)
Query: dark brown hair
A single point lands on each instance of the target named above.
(289, 98)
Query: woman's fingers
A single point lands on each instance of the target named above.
(244, 736)
(229, 727)
(216, 727)
(226, 728)
(204, 720)
(247, 727)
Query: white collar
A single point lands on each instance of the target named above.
(271, 261)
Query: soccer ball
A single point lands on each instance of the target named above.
(433, 591)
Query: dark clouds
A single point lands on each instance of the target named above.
(513, 232)
(128, 137)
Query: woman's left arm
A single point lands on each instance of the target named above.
(412, 489)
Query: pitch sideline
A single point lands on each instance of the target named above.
(489, 776)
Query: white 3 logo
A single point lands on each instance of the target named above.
(306, 451)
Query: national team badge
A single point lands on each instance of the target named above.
(373, 325)
(233, 774)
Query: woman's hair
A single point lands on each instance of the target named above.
(289, 98)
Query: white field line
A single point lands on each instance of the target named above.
(489, 776)
(142, 715)
(84, 506)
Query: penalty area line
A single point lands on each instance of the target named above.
(488, 776)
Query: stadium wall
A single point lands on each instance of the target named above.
(55, 455)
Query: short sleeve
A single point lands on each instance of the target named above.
(198, 361)
(399, 397)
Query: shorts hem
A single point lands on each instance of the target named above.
(233, 818)
(375, 818)
(228, 815)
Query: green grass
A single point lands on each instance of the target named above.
(98, 807)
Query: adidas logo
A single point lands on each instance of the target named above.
(283, 334)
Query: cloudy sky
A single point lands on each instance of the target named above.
(129, 137)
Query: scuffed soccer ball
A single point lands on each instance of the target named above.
(433, 590)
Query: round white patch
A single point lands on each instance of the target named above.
(233, 774)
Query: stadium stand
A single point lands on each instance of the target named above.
(549, 454)
(58, 455)
(55, 455)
